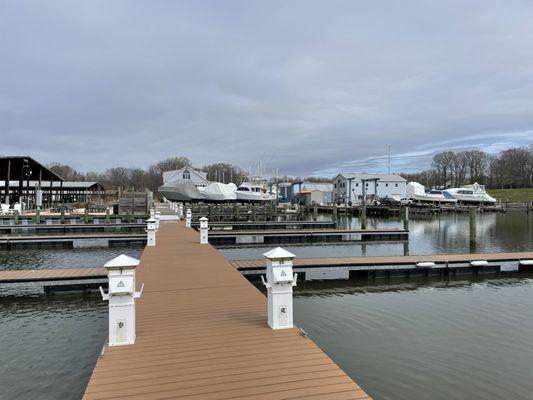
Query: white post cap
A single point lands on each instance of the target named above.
(122, 261)
(150, 220)
(278, 254)
(203, 219)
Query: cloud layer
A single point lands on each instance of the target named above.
(308, 87)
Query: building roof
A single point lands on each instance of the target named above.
(177, 174)
(25, 167)
(381, 177)
(55, 184)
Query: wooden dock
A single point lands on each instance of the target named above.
(230, 237)
(202, 333)
(56, 274)
(67, 240)
(389, 260)
(268, 225)
(442, 265)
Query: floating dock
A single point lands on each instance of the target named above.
(202, 333)
(69, 228)
(268, 225)
(305, 235)
(391, 266)
(56, 279)
(68, 241)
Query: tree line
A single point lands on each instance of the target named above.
(511, 168)
(152, 177)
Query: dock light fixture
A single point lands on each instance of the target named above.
(180, 211)
(157, 217)
(121, 297)
(204, 229)
(151, 229)
(279, 283)
(188, 218)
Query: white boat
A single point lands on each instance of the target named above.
(185, 190)
(417, 192)
(473, 194)
(248, 191)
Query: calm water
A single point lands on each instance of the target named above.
(49, 345)
(442, 340)
(448, 233)
(400, 340)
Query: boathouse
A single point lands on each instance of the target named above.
(16, 173)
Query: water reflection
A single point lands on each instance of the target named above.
(441, 234)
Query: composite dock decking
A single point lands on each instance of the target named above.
(202, 333)
(57, 274)
(387, 260)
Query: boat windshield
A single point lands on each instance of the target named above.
(243, 189)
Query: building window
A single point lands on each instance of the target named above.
(396, 184)
(357, 184)
(386, 185)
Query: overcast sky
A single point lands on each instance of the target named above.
(309, 87)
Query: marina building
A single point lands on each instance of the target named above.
(309, 193)
(348, 188)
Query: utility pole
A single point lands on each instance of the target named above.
(389, 159)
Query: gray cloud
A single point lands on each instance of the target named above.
(306, 87)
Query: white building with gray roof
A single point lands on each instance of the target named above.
(349, 187)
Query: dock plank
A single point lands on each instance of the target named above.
(202, 333)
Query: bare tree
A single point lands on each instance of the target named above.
(443, 163)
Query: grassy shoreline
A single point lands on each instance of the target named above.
(512, 195)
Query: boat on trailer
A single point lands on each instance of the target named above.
(417, 193)
(471, 194)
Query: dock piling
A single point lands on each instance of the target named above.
(473, 230)
(363, 216)
(406, 218)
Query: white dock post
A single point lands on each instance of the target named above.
(204, 229)
(180, 211)
(279, 283)
(121, 296)
(157, 216)
(152, 213)
(188, 219)
(151, 229)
